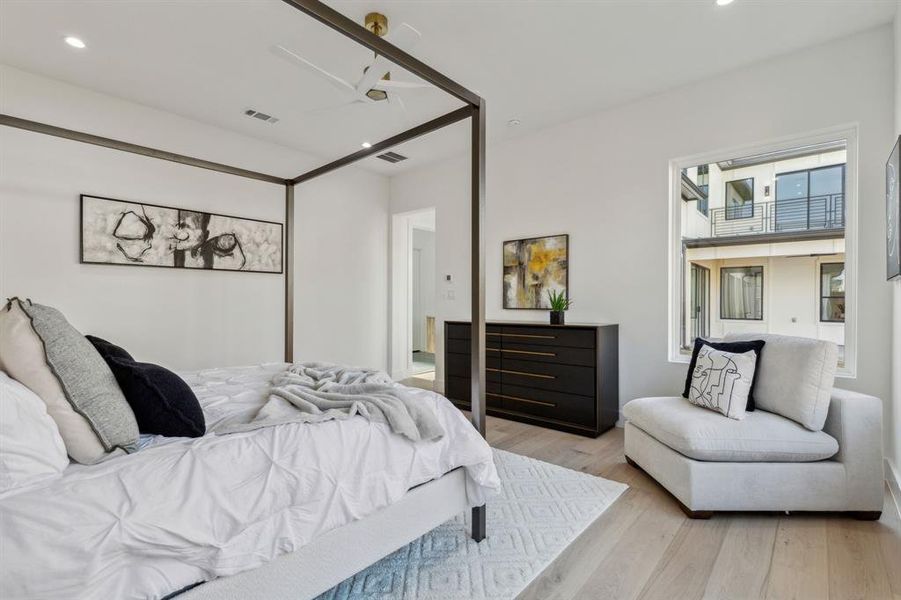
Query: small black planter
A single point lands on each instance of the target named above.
(557, 317)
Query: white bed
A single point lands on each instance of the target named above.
(328, 499)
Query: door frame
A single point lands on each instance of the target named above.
(400, 340)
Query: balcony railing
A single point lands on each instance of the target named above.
(796, 214)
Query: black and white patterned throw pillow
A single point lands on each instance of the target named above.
(721, 381)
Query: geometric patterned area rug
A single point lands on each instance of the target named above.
(542, 508)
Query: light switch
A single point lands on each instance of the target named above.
(451, 295)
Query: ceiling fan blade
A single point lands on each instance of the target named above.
(388, 85)
(297, 60)
(405, 38)
(398, 107)
(374, 72)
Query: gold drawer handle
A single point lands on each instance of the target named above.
(522, 373)
(551, 404)
(529, 352)
(524, 335)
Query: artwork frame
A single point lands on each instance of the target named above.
(533, 301)
(893, 213)
(201, 257)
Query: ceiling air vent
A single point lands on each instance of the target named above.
(392, 157)
(261, 116)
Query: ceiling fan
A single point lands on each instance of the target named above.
(375, 84)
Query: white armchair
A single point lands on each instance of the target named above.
(765, 462)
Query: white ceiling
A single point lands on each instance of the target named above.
(540, 62)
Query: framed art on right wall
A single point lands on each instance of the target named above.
(893, 213)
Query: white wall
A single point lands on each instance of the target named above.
(605, 179)
(184, 319)
(181, 319)
(893, 411)
(341, 279)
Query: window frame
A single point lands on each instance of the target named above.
(825, 297)
(723, 271)
(726, 198)
(676, 272)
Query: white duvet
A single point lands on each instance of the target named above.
(184, 510)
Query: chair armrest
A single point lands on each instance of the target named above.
(855, 421)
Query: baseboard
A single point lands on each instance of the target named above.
(893, 479)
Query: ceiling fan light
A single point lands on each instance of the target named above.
(74, 42)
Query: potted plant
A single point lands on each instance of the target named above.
(559, 303)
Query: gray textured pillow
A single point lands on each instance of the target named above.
(94, 418)
(795, 376)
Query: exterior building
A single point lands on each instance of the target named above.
(764, 245)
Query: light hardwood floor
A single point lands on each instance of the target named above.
(644, 547)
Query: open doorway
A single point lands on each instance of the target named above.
(422, 317)
(413, 307)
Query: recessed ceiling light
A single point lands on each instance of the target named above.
(366, 145)
(723, 2)
(75, 42)
(513, 122)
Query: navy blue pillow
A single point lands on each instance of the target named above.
(735, 347)
(162, 402)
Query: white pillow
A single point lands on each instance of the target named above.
(31, 447)
(722, 380)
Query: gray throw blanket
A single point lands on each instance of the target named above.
(315, 392)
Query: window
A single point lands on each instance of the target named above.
(741, 293)
(832, 292)
(703, 185)
(810, 199)
(740, 198)
(775, 246)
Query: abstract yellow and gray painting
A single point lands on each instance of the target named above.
(532, 267)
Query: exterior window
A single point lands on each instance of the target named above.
(810, 199)
(832, 292)
(704, 186)
(740, 198)
(741, 293)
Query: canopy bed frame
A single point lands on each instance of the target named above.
(340, 553)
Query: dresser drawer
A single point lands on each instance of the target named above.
(463, 331)
(546, 376)
(546, 336)
(551, 354)
(459, 388)
(458, 345)
(578, 410)
(458, 365)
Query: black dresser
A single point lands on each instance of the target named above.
(559, 376)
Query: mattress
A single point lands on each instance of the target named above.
(181, 510)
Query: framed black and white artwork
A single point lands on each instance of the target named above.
(893, 213)
(117, 232)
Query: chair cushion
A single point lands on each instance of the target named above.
(795, 376)
(705, 435)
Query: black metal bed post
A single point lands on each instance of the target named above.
(475, 109)
(477, 271)
(289, 272)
